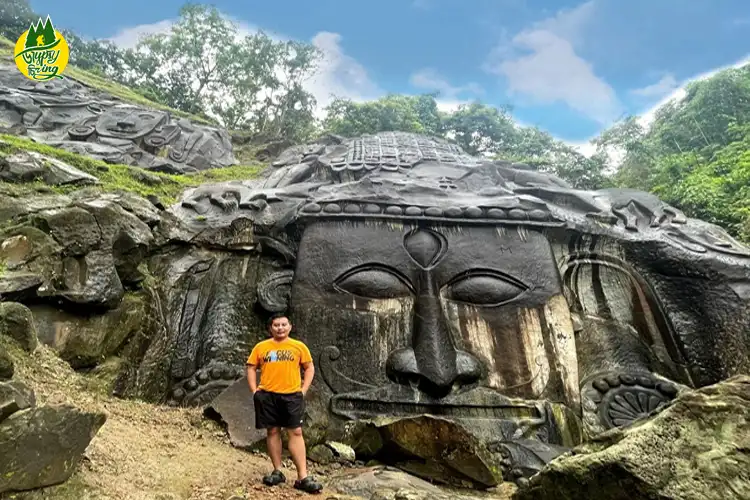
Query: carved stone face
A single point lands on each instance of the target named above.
(128, 123)
(458, 317)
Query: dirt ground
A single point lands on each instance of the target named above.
(146, 452)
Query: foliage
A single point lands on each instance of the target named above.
(696, 153)
(204, 65)
(16, 17)
(417, 114)
(114, 178)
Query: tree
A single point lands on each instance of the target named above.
(390, 113)
(16, 16)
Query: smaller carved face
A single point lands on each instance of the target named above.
(128, 123)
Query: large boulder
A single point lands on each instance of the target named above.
(697, 448)
(29, 166)
(234, 408)
(42, 446)
(17, 322)
(387, 483)
(441, 450)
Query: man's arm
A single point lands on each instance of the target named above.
(308, 377)
(252, 378)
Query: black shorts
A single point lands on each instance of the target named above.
(278, 410)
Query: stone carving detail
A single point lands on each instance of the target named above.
(426, 281)
(205, 385)
(274, 291)
(66, 114)
(625, 397)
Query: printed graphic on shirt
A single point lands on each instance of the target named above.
(280, 355)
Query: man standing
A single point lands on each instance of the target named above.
(279, 400)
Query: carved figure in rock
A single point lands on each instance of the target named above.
(66, 114)
(425, 280)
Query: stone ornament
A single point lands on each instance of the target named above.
(69, 115)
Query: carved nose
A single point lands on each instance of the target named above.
(437, 377)
(432, 363)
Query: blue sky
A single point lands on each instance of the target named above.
(571, 68)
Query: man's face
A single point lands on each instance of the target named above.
(280, 328)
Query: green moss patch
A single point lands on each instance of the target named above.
(114, 178)
(114, 89)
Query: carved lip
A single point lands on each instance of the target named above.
(401, 401)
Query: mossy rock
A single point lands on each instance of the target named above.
(17, 322)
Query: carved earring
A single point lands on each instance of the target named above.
(275, 291)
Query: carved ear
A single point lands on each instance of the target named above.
(275, 290)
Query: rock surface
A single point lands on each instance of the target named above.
(42, 446)
(29, 166)
(442, 451)
(7, 367)
(17, 322)
(234, 407)
(387, 483)
(71, 116)
(697, 448)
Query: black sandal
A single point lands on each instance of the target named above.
(274, 478)
(308, 485)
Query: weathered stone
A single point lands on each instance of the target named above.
(7, 367)
(444, 446)
(43, 446)
(74, 117)
(15, 396)
(85, 341)
(342, 452)
(321, 454)
(234, 407)
(698, 447)
(17, 322)
(387, 483)
(28, 166)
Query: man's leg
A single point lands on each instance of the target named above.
(273, 443)
(297, 451)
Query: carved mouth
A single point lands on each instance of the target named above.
(401, 401)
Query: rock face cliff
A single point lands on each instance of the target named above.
(470, 320)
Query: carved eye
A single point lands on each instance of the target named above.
(484, 288)
(374, 282)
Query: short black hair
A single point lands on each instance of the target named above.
(277, 316)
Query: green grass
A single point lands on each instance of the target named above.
(114, 89)
(116, 178)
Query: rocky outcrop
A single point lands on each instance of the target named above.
(387, 483)
(697, 448)
(17, 322)
(69, 115)
(29, 166)
(441, 450)
(42, 445)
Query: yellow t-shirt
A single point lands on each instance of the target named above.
(279, 364)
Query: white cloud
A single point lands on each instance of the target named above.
(541, 64)
(648, 115)
(665, 86)
(128, 38)
(338, 74)
(449, 96)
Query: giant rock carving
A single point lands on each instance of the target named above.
(69, 115)
(428, 281)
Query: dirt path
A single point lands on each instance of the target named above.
(146, 452)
